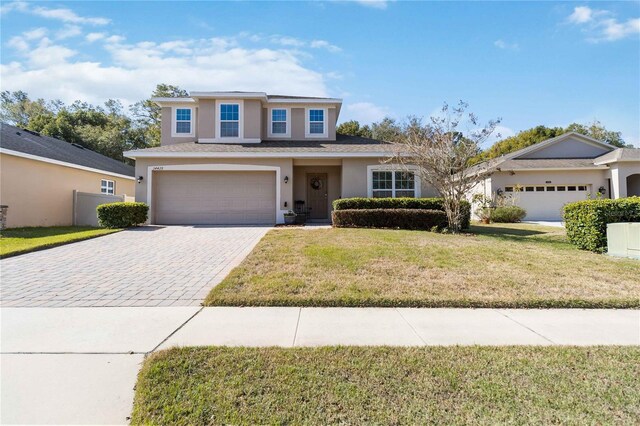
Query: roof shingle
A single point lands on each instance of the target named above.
(32, 143)
(342, 144)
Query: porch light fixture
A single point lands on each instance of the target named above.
(140, 179)
(286, 179)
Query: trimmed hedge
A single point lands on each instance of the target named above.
(122, 215)
(507, 214)
(586, 221)
(400, 203)
(416, 219)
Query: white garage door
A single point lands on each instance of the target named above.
(545, 202)
(214, 198)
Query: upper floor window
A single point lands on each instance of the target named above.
(108, 186)
(183, 122)
(229, 120)
(279, 121)
(316, 122)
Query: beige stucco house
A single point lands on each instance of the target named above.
(38, 175)
(543, 177)
(248, 158)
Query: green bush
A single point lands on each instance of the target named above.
(507, 214)
(122, 215)
(418, 219)
(400, 203)
(586, 221)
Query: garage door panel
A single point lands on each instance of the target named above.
(214, 198)
(547, 205)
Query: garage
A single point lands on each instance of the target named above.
(545, 202)
(214, 197)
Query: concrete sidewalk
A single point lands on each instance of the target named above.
(289, 327)
(79, 365)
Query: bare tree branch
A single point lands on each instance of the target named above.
(442, 153)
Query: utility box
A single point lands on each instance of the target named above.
(623, 239)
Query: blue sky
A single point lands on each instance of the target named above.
(529, 63)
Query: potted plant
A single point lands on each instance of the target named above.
(484, 209)
(289, 218)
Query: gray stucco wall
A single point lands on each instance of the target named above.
(206, 118)
(252, 119)
(570, 148)
(165, 127)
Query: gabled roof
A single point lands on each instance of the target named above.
(512, 159)
(16, 140)
(620, 154)
(344, 145)
(548, 164)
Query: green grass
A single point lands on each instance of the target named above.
(368, 385)
(16, 241)
(502, 265)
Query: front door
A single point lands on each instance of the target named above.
(317, 195)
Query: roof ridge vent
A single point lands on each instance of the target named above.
(77, 145)
(32, 132)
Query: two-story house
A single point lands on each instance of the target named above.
(248, 158)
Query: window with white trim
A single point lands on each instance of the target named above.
(183, 121)
(389, 183)
(316, 121)
(107, 186)
(279, 121)
(229, 120)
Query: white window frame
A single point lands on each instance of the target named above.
(393, 168)
(240, 136)
(307, 126)
(104, 184)
(174, 121)
(286, 134)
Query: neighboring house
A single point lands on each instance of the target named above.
(248, 158)
(544, 177)
(38, 175)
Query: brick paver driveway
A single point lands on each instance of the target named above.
(148, 266)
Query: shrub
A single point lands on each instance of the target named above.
(400, 203)
(507, 214)
(122, 215)
(422, 219)
(586, 221)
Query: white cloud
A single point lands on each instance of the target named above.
(91, 37)
(323, 44)
(375, 4)
(287, 41)
(601, 26)
(114, 39)
(18, 43)
(35, 34)
(501, 44)
(581, 14)
(54, 71)
(365, 112)
(59, 14)
(68, 31)
(614, 30)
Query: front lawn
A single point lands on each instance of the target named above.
(369, 385)
(16, 241)
(503, 265)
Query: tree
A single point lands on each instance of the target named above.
(597, 131)
(523, 139)
(541, 133)
(386, 130)
(147, 113)
(442, 151)
(16, 108)
(353, 128)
